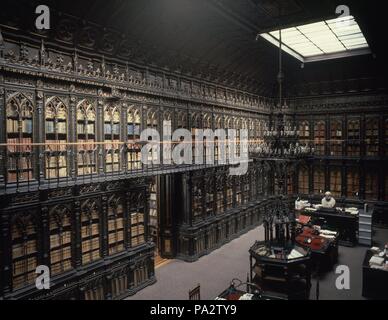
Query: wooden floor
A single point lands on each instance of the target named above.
(159, 261)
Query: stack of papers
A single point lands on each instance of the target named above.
(247, 296)
(376, 261)
(294, 254)
(353, 211)
(375, 250)
(328, 232)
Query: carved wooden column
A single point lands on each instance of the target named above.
(160, 130)
(3, 169)
(382, 152)
(131, 276)
(100, 133)
(104, 226)
(146, 200)
(127, 221)
(327, 175)
(108, 287)
(362, 180)
(45, 236)
(344, 135)
(363, 135)
(327, 135)
(77, 254)
(39, 129)
(187, 198)
(6, 252)
(144, 110)
(203, 188)
(344, 182)
(73, 133)
(311, 177)
(124, 135)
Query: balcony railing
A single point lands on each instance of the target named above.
(66, 164)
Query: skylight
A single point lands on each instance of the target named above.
(329, 39)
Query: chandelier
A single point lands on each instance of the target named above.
(280, 140)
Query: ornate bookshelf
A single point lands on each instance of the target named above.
(112, 139)
(115, 225)
(19, 128)
(90, 234)
(133, 137)
(56, 138)
(86, 139)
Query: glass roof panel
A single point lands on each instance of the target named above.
(324, 37)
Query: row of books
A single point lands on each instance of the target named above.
(60, 266)
(20, 281)
(50, 127)
(89, 257)
(134, 166)
(134, 156)
(87, 231)
(24, 266)
(20, 176)
(115, 248)
(112, 168)
(21, 249)
(19, 163)
(133, 129)
(88, 128)
(55, 239)
(137, 240)
(115, 237)
(19, 145)
(56, 145)
(13, 126)
(112, 157)
(56, 173)
(61, 254)
(88, 144)
(90, 245)
(137, 231)
(115, 224)
(137, 216)
(153, 212)
(112, 129)
(57, 161)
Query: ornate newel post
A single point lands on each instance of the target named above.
(39, 131)
(2, 133)
(100, 132)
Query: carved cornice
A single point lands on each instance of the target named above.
(341, 104)
(85, 68)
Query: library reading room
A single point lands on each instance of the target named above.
(193, 150)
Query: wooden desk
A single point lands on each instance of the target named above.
(286, 278)
(344, 223)
(374, 281)
(324, 251)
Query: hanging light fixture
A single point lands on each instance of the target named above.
(280, 139)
